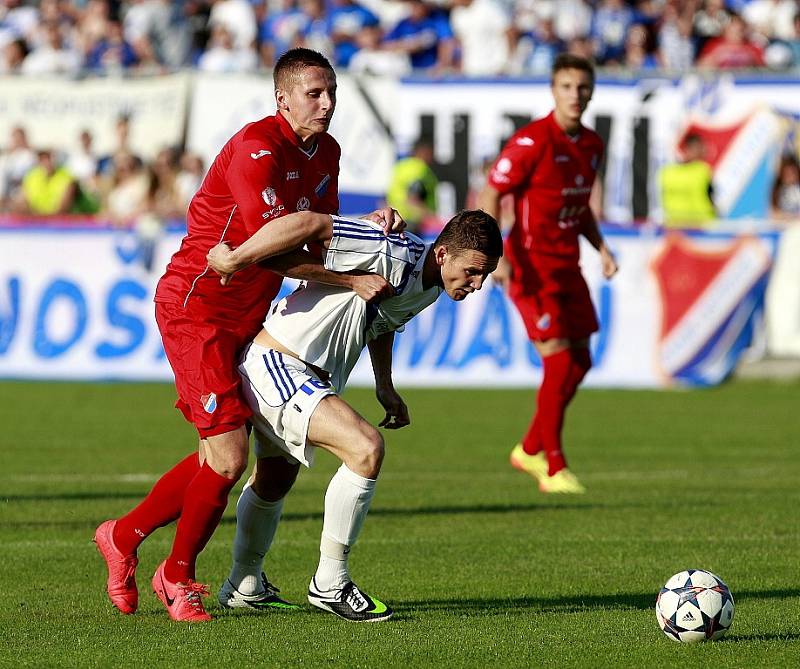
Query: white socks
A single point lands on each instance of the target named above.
(256, 523)
(347, 502)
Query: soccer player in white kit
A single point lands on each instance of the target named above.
(296, 366)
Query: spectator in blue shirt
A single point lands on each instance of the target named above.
(610, 24)
(425, 35)
(280, 31)
(347, 19)
(316, 31)
(112, 52)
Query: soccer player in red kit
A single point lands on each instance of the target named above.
(549, 166)
(278, 165)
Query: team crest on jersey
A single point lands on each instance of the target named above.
(319, 191)
(209, 402)
(269, 197)
(544, 322)
(303, 204)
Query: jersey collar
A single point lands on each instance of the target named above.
(572, 138)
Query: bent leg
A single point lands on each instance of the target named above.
(258, 513)
(205, 501)
(338, 428)
(532, 441)
(162, 505)
(564, 369)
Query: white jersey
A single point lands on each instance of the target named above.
(329, 326)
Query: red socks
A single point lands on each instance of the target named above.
(563, 372)
(203, 505)
(162, 505)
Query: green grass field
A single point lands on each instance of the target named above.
(482, 569)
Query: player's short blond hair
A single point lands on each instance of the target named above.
(293, 62)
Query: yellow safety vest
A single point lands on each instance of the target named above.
(684, 194)
(44, 193)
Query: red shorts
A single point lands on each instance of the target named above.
(554, 302)
(204, 358)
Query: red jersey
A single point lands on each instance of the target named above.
(550, 174)
(262, 173)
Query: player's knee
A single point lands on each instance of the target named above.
(369, 454)
(274, 478)
(232, 466)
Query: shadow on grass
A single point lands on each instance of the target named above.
(448, 510)
(288, 517)
(572, 603)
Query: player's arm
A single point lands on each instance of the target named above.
(380, 353)
(591, 230)
(489, 200)
(281, 235)
(304, 266)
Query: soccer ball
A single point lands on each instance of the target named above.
(694, 605)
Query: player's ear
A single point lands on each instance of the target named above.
(280, 99)
(440, 253)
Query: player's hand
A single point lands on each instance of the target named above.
(220, 259)
(389, 219)
(396, 409)
(372, 288)
(608, 262)
(502, 275)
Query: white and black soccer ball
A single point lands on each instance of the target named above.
(694, 605)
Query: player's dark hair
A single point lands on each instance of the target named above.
(569, 61)
(294, 61)
(472, 230)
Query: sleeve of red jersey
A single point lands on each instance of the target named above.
(253, 177)
(515, 163)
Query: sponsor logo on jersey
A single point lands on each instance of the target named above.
(292, 175)
(560, 158)
(260, 154)
(303, 204)
(209, 402)
(525, 141)
(544, 322)
(273, 212)
(319, 191)
(269, 197)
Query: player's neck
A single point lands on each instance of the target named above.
(568, 125)
(431, 274)
(307, 139)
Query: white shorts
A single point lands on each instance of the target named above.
(283, 394)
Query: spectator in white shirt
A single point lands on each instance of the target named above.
(483, 29)
(224, 56)
(53, 56)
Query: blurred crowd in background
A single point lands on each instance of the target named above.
(473, 38)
